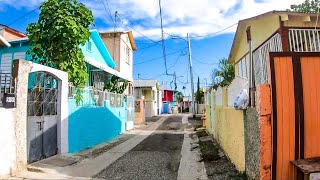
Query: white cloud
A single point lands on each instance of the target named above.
(198, 17)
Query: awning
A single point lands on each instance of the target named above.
(106, 68)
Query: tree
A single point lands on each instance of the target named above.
(179, 96)
(199, 95)
(56, 38)
(307, 6)
(224, 75)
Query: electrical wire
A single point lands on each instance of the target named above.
(197, 60)
(21, 17)
(107, 9)
(154, 44)
(121, 19)
(208, 35)
(158, 57)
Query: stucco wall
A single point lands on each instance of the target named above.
(7, 141)
(229, 131)
(227, 126)
(252, 143)
(89, 126)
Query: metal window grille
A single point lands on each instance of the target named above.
(304, 40)
(42, 94)
(260, 57)
(7, 85)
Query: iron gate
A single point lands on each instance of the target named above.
(42, 116)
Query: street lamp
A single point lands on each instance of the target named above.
(191, 72)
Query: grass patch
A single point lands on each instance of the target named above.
(240, 176)
(209, 152)
(201, 133)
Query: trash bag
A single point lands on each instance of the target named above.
(242, 100)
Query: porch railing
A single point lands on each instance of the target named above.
(95, 97)
(260, 56)
(304, 40)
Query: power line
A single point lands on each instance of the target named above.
(154, 44)
(158, 57)
(217, 32)
(203, 62)
(107, 9)
(21, 17)
(121, 19)
(208, 35)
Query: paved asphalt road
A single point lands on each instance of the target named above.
(155, 158)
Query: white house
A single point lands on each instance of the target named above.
(121, 46)
(147, 90)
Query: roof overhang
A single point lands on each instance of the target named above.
(106, 68)
(4, 42)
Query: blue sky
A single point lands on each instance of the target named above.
(197, 17)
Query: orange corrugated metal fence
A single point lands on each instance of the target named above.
(295, 81)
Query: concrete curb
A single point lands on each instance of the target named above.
(190, 168)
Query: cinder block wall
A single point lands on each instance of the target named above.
(258, 136)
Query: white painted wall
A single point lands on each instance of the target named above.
(219, 97)
(7, 142)
(126, 68)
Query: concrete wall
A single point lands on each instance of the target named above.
(227, 126)
(89, 126)
(7, 141)
(252, 143)
(258, 136)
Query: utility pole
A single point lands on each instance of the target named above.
(175, 81)
(191, 76)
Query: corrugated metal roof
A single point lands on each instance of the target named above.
(144, 83)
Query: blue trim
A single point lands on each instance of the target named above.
(102, 48)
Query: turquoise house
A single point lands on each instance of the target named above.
(95, 52)
(88, 124)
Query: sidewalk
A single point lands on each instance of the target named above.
(88, 163)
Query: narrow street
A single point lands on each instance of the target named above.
(156, 157)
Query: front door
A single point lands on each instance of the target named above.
(42, 116)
